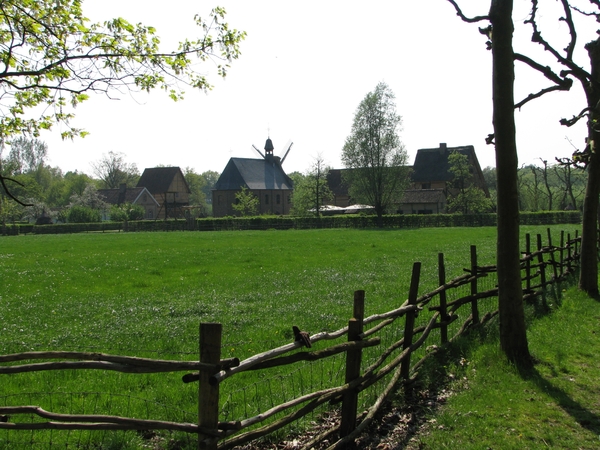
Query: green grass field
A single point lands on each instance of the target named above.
(144, 294)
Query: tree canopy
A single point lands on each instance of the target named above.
(52, 58)
(374, 152)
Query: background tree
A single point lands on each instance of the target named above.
(465, 197)
(210, 179)
(52, 58)
(89, 198)
(311, 190)
(113, 170)
(374, 153)
(26, 155)
(126, 211)
(246, 203)
(196, 183)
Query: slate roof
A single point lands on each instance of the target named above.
(120, 196)
(158, 179)
(423, 196)
(431, 164)
(254, 174)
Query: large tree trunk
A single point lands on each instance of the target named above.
(588, 275)
(513, 337)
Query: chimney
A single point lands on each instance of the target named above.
(443, 148)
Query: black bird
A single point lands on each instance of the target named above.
(3, 418)
(301, 336)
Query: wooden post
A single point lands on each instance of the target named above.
(562, 252)
(353, 361)
(569, 253)
(552, 257)
(474, 308)
(208, 395)
(542, 269)
(528, 263)
(443, 310)
(410, 318)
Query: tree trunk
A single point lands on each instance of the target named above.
(588, 275)
(513, 337)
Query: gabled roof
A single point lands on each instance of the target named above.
(119, 196)
(431, 164)
(254, 174)
(158, 179)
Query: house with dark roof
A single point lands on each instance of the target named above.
(169, 188)
(431, 179)
(264, 178)
(134, 196)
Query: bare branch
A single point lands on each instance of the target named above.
(460, 14)
(575, 119)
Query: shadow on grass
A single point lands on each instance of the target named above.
(586, 418)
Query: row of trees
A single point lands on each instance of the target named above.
(46, 192)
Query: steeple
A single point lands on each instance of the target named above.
(269, 147)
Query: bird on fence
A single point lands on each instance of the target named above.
(3, 418)
(301, 336)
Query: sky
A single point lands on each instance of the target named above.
(305, 67)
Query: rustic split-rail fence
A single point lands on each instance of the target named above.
(372, 365)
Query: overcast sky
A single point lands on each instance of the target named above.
(305, 67)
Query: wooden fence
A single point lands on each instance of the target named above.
(541, 266)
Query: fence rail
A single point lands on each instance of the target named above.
(391, 361)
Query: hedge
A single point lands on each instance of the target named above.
(288, 222)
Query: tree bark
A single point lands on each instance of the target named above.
(588, 275)
(513, 337)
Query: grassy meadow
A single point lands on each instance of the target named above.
(556, 405)
(144, 294)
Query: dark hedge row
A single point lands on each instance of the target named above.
(287, 222)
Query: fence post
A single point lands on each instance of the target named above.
(208, 395)
(410, 319)
(474, 308)
(562, 253)
(353, 360)
(542, 266)
(552, 257)
(569, 253)
(443, 309)
(528, 263)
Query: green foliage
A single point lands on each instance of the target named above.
(67, 58)
(246, 203)
(126, 211)
(465, 197)
(89, 198)
(311, 190)
(83, 214)
(374, 152)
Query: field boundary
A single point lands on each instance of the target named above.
(393, 362)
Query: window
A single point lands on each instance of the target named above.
(266, 199)
(219, 199)
(425, 185)
(278, 199)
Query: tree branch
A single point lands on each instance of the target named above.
(460, 14)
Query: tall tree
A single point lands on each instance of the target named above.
(465, 197)
(311, 191)
(52, 58)
(589, 80)
(374, 153)
(113, 170)
(513, 336)
(26, 155)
